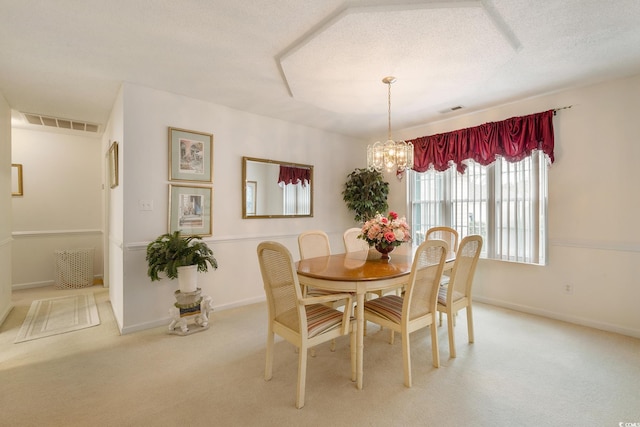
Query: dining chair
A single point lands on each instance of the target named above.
(304, 322)
(351, 241)
(457, 294)
(416, 309)
(313, 243)
(448, 234)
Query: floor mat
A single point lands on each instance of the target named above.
(53, 316)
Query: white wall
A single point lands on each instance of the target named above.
(593, 202)
(144, 153)
(593, 207)
(5, 209)
(114, 212)
(62, 203)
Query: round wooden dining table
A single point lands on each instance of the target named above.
(359, 273)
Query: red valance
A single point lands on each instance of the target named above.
(293, 175)
(513, 139)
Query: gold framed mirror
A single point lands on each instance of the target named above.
(276, 189)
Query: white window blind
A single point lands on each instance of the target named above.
(505, 203)
(297, 199)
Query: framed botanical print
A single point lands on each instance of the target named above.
(190, 210)
(16, 179)
(113, 165)
(190, 156)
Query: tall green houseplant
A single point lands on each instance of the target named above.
(365, 193)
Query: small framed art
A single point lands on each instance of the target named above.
(113, 165)
(16, 179)
(190, 156)
(190, 210)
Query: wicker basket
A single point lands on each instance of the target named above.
(74, 268)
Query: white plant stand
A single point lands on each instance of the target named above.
(190, 307)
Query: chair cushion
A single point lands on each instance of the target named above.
(388, 306)
(321, 318)
(442, 296)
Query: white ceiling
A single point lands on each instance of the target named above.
(314, 62)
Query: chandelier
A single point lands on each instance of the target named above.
(390, 155)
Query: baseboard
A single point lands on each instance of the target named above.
(146, 325)
(165, 321)
(29, 285)
(97, 280)
(560, 316)
(240, 303)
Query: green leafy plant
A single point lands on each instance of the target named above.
(172, 250)
(365, 193)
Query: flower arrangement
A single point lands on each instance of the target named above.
(386, 231)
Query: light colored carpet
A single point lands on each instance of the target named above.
(522, 370)
(59, 315)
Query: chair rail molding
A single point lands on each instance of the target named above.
(46, 233)
(137, 246)
(596, 244)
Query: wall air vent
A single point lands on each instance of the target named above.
(37, 119)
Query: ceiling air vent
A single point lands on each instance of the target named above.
(37, 119)
(448, 110)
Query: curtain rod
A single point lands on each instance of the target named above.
(555, 110)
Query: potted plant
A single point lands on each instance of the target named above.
(180, 257)
(365, 193)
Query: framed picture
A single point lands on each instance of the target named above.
(16, 179)
(190, 156)
(113, 165)
(190, 210)
(250, 199)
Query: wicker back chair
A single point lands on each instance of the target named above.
(313, 243)
(304, 322)
(447, 234)
(351, 241)
(457, 294)
(416, 309)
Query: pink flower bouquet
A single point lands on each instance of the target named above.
(384, 231)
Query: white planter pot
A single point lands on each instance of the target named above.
(188, 278)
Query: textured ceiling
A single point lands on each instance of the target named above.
(317, 63)
(406, 42)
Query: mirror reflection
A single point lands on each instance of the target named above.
(276, 189)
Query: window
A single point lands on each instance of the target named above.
(506, 203)
(297, 199)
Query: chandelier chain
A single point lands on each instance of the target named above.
(389, 102)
